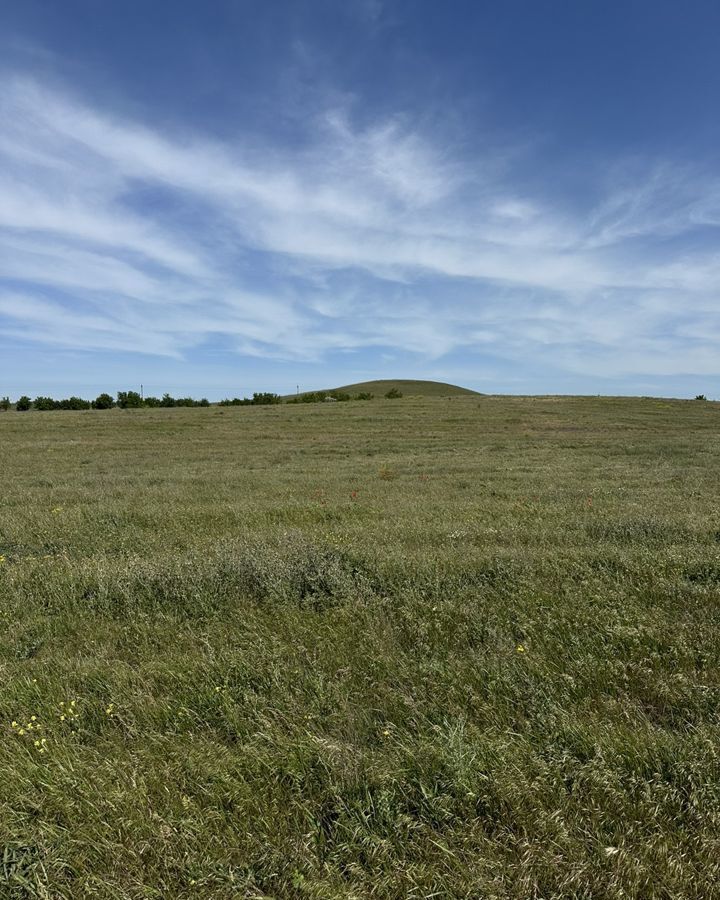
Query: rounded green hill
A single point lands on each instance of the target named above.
(408, 387)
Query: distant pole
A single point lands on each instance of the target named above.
(297, 389)
(142, 395)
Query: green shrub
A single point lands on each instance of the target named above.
(129, 400)
(73, 403)
(314, 397)
(393, 394)
(103, 401)
(23, 404)
(321, 396)
(265, 399)
(45, 403)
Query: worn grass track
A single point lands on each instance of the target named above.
(414, 648)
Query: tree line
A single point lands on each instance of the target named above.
(134, 400)
(123, 400)
(265, 399)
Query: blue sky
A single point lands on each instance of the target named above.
(215, 198)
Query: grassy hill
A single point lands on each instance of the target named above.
(408, 386)
(388, 650)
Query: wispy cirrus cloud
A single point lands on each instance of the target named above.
(117, 234)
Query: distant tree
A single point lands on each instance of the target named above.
(5, 404)
(313, 397)
(204, 402)
(168, 401)
(103, 401)
(45, 404)
(321, 396)
(265, 398)
(236, 401)
(75, 403)
(701, 397)
(129, 400)
(393, 394)
(23, 404)
(152, 402)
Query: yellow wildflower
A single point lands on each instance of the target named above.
(520, 648)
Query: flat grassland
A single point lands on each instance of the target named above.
(411, 648)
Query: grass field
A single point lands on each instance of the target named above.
(408, 387)
(408, 649)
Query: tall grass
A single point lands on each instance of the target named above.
(423, 649)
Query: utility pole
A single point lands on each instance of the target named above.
(142, 395)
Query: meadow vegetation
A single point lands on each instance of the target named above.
(435, 648)
(407, 387)
(125, 400)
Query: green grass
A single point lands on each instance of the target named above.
(410, 649)
(408, 387)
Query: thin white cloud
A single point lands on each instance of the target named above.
(114, 235)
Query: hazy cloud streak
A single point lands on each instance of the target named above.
(115, 235)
